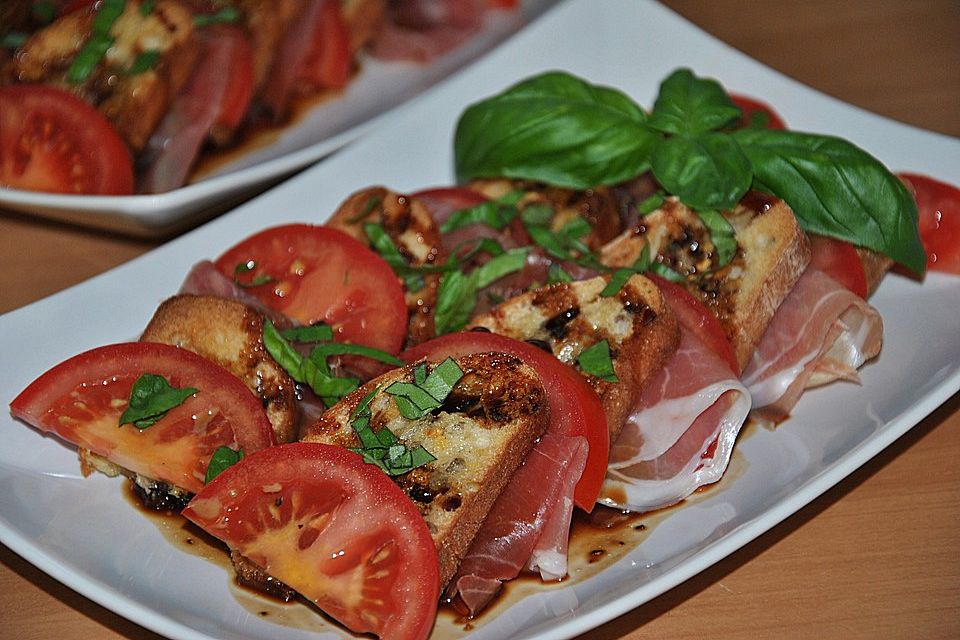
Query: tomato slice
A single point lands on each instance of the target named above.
(840, 261)
(752, 108)
(575, 408)
(693, 315)
(318, 274)
(238, 93)
(335, 529)
(328, 64)
(938, 205)
(51, 140)
(82, 398)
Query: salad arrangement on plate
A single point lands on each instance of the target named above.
(591, 318)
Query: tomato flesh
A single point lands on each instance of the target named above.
(318, 274)
(693, 315)
(328, 64)
(840, 261)
(52, 141)
(82, 398)
(575, 408)
(938, 205)
(752, 108)
(332, 527)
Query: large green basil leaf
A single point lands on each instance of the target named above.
(688, 105)
(837, 189)
(707, 171)
(554, 128)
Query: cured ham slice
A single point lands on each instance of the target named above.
(528, 526)
(421, 30)
(681, 434)
(822, 332)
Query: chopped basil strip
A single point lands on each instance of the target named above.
(383, 244)
(620, 276)
(556, 273)
(306, 370)
(417, 399)
(595, 361)
(44, 11)
(666, 272)
(382, 448)
(323, 351)
(371, 205)
(144, 62)
(225, 15)
(651, 204)
(246, 267)
(13, 40)
(223, 458)
(496, 213)
(151, 397)
(98, 43)
(314, 333)
(457, 293)
(146, 7)
(722, 236)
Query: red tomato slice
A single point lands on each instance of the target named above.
(332, 527)
(51, 140)
(938, 204)
(328, 64)
(750, 107)
(237, 95)
(840, 261)
(318, 274)
(575, 408)
(693, 315)
(81, 400)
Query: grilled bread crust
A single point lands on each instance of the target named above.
(772, 253)
(231, 334)
(413, 231)
(480, 436)
(636, 322)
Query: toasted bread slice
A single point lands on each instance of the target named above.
(638, 325)
(479, 436)
(413, 231)
(231, 334)
(772, 253)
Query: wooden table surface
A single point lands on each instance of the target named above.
(876, 556)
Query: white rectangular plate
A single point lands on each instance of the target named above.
(83, 533)
(366, 102)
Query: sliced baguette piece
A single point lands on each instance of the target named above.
(231, 334)
(570, 317)
(773, 251)
(479, 436)
(413, 231)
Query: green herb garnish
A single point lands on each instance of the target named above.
(457, 293)
(144, 62)
(151, 397)
(223, 457)
(308, 371)
(382, 448)
(98, 43)
(227, 15)
(596, 361)
(497, 213)
(558, 129)
(427, 392)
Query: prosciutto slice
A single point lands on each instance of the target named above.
(822, 332)
(528, 526)
(681, 434)
(421, 30)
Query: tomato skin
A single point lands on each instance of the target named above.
(239, 90)
(750, 106)
(840, 261)
(575, 408)
(693, 315)
(320, 274)
(52, 141)
(329, 63)
(81, 400)
(938, 205)
(275, 508)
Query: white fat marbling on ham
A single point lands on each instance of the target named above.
(528, 526)
(681, 434)
(822, 332)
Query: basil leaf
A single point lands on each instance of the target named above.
(496, 213)
(666, 272)
(442, 379)
(227, 15)
(721, 234)
(556, 273)
(595, 361)
(223, 458)
(651, 204)
(100, 40)
(708, 171)
(456, 300)
(497, 267)
(620, 276)
(688, 105)
(554, 128)
(305, 370)
(383, 244)
(312, 333)
(145, 61)
(417, 399)
(837, 189)
(323, 351)
(151, 397)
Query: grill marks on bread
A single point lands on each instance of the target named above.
(637, 324)
(480, 435)
(772, 253)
